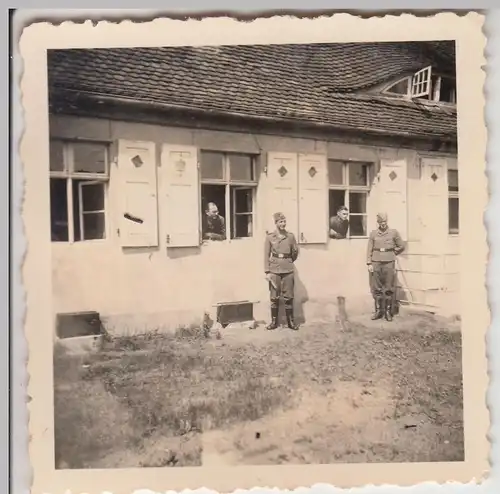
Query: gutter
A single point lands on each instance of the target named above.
(127, 101)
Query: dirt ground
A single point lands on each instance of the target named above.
(376, 392)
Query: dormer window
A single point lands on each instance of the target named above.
(402, 87)
(425, 85)
(433, 87)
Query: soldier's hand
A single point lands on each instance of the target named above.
(370, 268)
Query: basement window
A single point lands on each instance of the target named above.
(76, 324)
(228, 313)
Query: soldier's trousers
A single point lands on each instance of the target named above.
(383, 279)
(281, 284)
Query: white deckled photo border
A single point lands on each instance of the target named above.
(36, 275)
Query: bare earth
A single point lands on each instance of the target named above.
(377, 392)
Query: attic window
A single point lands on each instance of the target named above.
(433, 87)
(402, 87)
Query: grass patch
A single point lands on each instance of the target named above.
(145, 401)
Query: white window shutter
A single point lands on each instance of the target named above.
(393, 194)
(313, 199)
(138, 209)
(282, 193)
(421, 83)
(180, 195)
(434, 203)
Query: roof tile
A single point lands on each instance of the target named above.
(322, 83)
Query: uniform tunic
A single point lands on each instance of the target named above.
(339, 226)
(214, 225)
(383, 247)
(280, 252)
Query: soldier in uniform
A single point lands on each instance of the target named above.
(384, 245)
(214, 227)
(280, 252)
(339, 224)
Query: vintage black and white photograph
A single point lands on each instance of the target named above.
(255, 254)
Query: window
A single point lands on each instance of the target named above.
(453, 202)
(349, 184)
(228, 184)
(433, 87)
(400, 88)
(79, 172)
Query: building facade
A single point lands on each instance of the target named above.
(133, 170)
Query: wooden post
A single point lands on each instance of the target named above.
(343, 319)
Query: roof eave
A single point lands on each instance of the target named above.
(82, 96)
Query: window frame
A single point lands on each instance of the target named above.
(347, 188)
(432, 80)
(69, 175)
(453, 195)
(229, 186)
(408, 79)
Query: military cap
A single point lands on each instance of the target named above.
(278, 216)
(381, 217)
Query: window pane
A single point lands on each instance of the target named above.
(336, 199)
(358, 173)
(89, 157)
(453, 213)
(243, 200)
(56, 156)
(93, 226)
(212, 165)
(357, 226)
(241, 167)
(243, 225)
(335, 172)
(453, 180)
(400, 87)
(357, 202)
(58, 210)
(93, 197)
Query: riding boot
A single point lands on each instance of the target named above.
(378, 314)
(290, 320)
(388, 309)
(274, 319)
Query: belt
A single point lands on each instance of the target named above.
(281, 256)
(385, 250)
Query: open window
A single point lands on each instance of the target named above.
(228, 188)
(349, 184)
(421, 83)
(79, 174)
(433, 86)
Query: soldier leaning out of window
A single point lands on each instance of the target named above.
(339, 224)
(214, 227)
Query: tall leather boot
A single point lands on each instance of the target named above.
(274, 319)
(388, 308)
(378, 314)
(290, 320)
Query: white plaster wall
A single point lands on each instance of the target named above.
(139, 289)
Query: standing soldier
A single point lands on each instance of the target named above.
(280, 252)
(384, 245)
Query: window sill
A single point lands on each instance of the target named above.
(227, 241)
(102, 241)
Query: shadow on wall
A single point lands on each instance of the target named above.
(182, 252)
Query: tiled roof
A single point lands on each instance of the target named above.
(315, 83)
